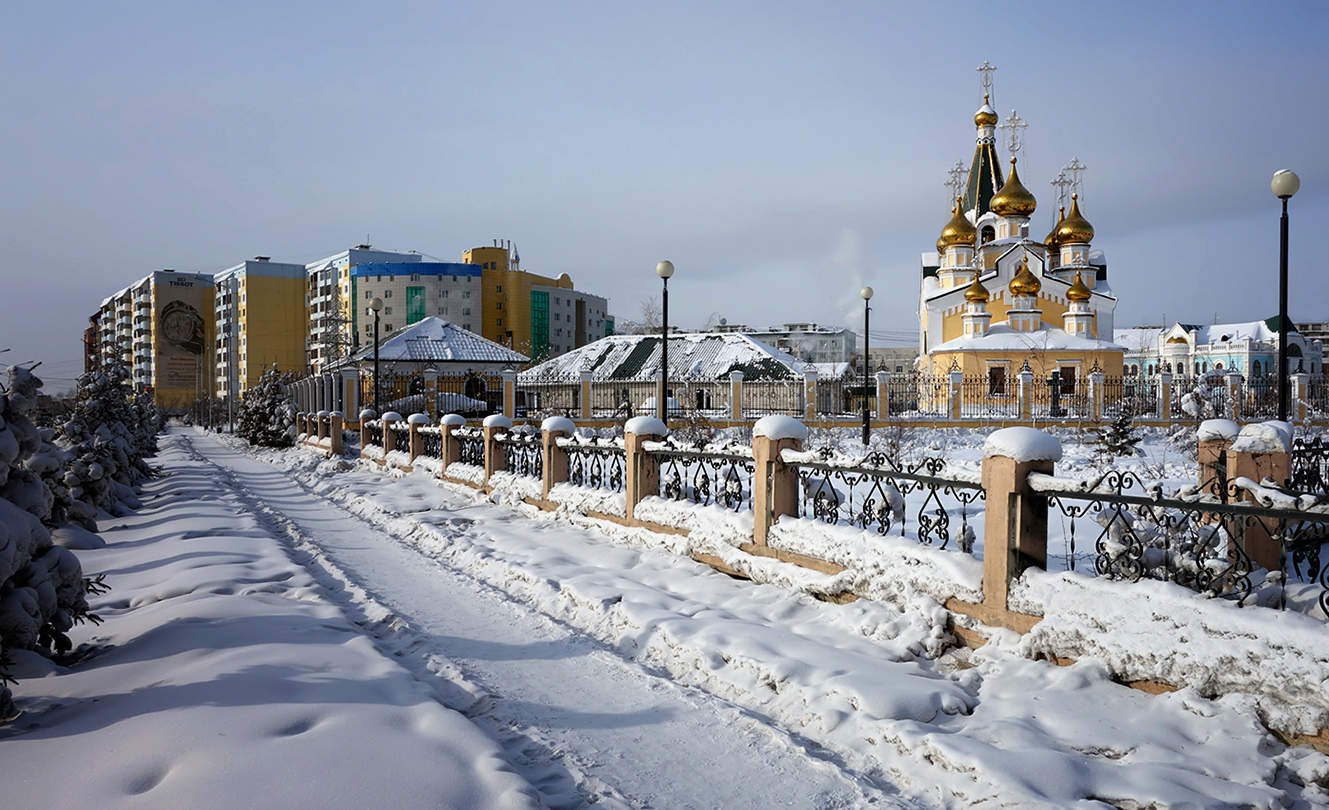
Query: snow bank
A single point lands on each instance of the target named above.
(470, 473)
(778, 427)
(1264, 437)
(1022, 444)
(1212, 429)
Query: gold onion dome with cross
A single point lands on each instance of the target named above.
(976, 291)
(1013, 199)
(1025, 282)
(958, 231)
(1051, 240)
(1078, 292)
(1074, 228)
(986, 116)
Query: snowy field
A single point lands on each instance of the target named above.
(288, 631)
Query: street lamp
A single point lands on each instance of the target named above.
(1284, 185)
(866, 293)
(376, 306)
(664, 270)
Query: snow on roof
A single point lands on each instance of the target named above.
(830, 371)
(698, 356)
(1137, 338)
(436, 340)
(1232, 332)
(1001, 337)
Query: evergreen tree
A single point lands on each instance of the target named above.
(267, 412)
(1118, 438)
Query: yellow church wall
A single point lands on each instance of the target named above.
(1042, 363)
(998, 306)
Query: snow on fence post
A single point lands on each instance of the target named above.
(509, 394)
(350, 383)
(336, 424)
(586, 394)
(1213, 439)
(430, 376)
(809, 394)
(366, 416)
(1096, 395)
(883, 395)
(321, 425)
(451, 444)
(1234, 393)
(1015, 527)
(1164, 395)
(1026, 394)
(300, 423)
(555, 461)
(1261, 451)
(774, 483)
(954, 394)
(1301, 385)
(495, 425)
(735, 395)
(417, 421)
(643, 471)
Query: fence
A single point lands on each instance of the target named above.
(705, 478)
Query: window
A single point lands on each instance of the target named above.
(466, 310)
(1067, 379)
(442, 310)
(498, 288)
(500, 322)
(442, 293)
(387, 293)
(388, 327)
(415, 276)
(466, 295)
(498, 305)
(387, 310)
(369, 296)
(996, 381)
(1255, 368)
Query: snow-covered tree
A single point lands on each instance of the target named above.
(267, 412)
(108, 435)
(1118, 438)
(42, 589)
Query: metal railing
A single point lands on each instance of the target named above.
(471, 443)
(374, 433)
(596, 466)
(523, 454)
(431, 441)
(1308, 465)
(705, 478)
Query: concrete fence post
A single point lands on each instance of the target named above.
(350, 383)
(509, 393)
(366, 416)
(736, 395)
(809, 394)
(431, 393)
(451, 444)
(643, 471)
(1096, 395)
(495, 425)
(883, 395)
(336, 426)
(1015, 525)
(555, 461)
(321, 424)
(586, 394)
(954, 394)
(1234, 394)
(390, 420)
(300, 423)
(1301, 386)
(1213, 439)
(1260, 451)
(1164, 396)
(1026, 394)
(774, 483)
(417, 421)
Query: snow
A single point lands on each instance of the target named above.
(778, 426)
(645, 426)
(368, 415)
(391, 416)
(1002, 338)
(417, 419)
(433, 339)
(1212, 429)
(558, 424)
(497, 420)
(1023, 444)
(706, 356)
(1264, 437)
(452, 420)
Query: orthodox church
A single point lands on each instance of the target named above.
(994, 301)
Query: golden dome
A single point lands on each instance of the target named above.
(976, 291)
(1051, 240)
(1025, 282)
(1074, 228)
(986, 116)
(1013, 200)
(1078, 292)
(958, 231)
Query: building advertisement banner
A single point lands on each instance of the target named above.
(180, 309)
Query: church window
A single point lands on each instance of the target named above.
(988, 234)
(1255, 368)
(1067, 379)
(997, 380)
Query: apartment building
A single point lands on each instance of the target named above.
(412, 291)
(260, 322)
(159, 327)
(536, 315)
(329, 322)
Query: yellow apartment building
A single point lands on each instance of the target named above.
(260, 316)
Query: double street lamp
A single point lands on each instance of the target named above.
(866, 293)
(376, 306)
(1284, 185)
(664, 270)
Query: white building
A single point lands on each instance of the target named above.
(330, 335)
(1249, 348)
(804, 341)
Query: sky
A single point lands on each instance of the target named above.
(780, 154)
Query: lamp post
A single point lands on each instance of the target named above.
(1284, 185)
(664, 270)
(866, 293)
(376, 306)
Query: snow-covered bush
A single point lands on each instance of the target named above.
(1118, 438)
(108, 434)
(42, 588)
(267, 412)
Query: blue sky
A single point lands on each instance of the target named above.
(781, 154)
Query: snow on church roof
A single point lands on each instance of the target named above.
(699, 356)
(1002, 338)
(1138, 338)
(436, 340)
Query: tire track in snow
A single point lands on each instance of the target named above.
(533, 748)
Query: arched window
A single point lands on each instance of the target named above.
(1255, 368)
(1218, 366)
(988, 234)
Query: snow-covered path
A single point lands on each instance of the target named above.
(579, 721)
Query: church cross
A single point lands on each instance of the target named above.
(1076, 168)
(987, 70)
(958, 180)
(1014, 126)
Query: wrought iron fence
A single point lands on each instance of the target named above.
(374, 433)
(1260, 398)
(705, 478)
(431, 441)
(1308, 465)
(523, 454)
(767, 397)
(872, 493)
(1054, 397)
(471, 446)
(401, 438)
(1132, 396)
(1198, 541)
(988, 399)
(596, 466)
